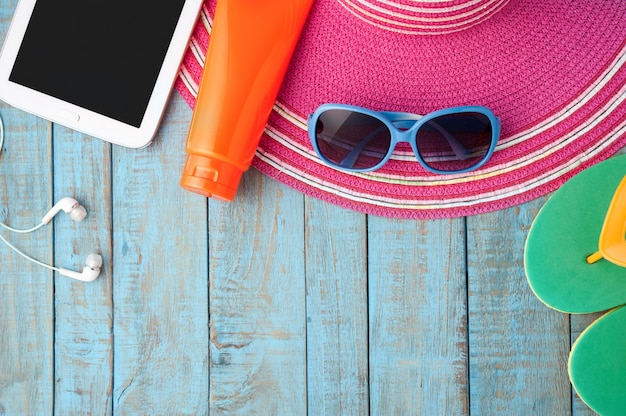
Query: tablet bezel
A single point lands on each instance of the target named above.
(82, 119)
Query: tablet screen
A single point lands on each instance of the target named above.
(104, 56)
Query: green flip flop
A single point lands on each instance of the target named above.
(597, 364)
(567, 231)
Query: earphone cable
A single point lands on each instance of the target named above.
(27, 257)
(1, 133)
(47, 266)
(2, 224)
(77, 213)
(19, 231)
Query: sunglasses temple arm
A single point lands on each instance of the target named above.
(459, 150)
(349, 161)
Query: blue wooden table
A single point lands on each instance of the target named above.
(275, 304)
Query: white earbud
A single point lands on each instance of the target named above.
(77, 213)
(68, 205)
(89, 273)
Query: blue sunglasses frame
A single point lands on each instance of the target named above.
(410, 125)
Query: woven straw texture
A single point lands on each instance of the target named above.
(553, 71)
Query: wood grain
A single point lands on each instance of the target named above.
(274, 304)
(336, 308)
(159, 272)
(26, 305)
(518, 346)
(417, 317)
(257, 301)
(83, 360)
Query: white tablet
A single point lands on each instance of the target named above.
(105, 68)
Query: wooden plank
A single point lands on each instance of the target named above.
(518, 346)
(160, 277)
(337, 320)
(417, 303)
(257, 300)
(83, 364)
(26, 307)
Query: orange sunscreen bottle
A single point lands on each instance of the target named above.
(249, 51)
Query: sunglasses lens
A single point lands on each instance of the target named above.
(352, 140)
(455, 142)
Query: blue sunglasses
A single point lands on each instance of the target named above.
(355, 139)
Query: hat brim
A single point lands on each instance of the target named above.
(554, 73)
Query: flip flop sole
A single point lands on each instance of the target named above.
(564, 233)
(597, 364)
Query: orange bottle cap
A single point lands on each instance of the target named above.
(212, 178)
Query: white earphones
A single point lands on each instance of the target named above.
(70, 206)
(90, 272)
(77, 213)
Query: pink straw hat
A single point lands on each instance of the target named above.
(554, 72)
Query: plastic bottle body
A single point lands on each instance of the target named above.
(250, 48)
